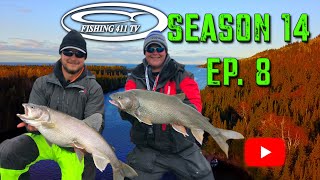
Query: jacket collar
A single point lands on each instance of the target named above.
(58, 78)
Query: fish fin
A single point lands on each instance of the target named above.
(79, 153)
(147, 121)
(180, 96)
(223, 136)
(180, 129)
(221, 141)
(77, 149)
(198, 134)
(48, 124)
(229, 134)
(100, 162)
(139, 119)
(94, 121)
(123, 171)
(77, 145)
(137, 113)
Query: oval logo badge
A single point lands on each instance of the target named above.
(113, 22)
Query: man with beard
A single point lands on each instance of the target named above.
(71, 89)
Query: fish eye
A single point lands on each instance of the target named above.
(119, 97)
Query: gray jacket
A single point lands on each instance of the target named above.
(79, 99)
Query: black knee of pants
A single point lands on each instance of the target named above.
(89, 172)
(195, 166)
(18, 152)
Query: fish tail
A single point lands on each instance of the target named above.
(222, 136)
(124, 171)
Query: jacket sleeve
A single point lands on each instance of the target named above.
(37, 95)
(190, 88)
(130, 84)
(95, 103)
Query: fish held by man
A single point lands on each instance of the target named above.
(151, 107)
(66, 131)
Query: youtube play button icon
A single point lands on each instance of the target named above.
(264, 152)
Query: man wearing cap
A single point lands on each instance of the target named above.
(71, 89)
(159, 148)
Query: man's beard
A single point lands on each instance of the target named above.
(73, 72)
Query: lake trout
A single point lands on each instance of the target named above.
(151, 107)
(66, 131)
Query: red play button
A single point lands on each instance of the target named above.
(264, 152)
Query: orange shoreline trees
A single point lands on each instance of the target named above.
(289, 108)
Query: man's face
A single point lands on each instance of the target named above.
(72, 60)
(155, 56)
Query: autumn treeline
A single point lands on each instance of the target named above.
(289, 108)
(109, 77)
(16, 83)
(30, 71)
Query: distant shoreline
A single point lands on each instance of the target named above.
(48, 63)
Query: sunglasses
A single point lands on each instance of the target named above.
(152, 49)
(70, 53)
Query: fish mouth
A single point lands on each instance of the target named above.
(25, 109)
(25, 115)
(115, 103)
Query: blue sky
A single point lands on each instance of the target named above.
(31, 30)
